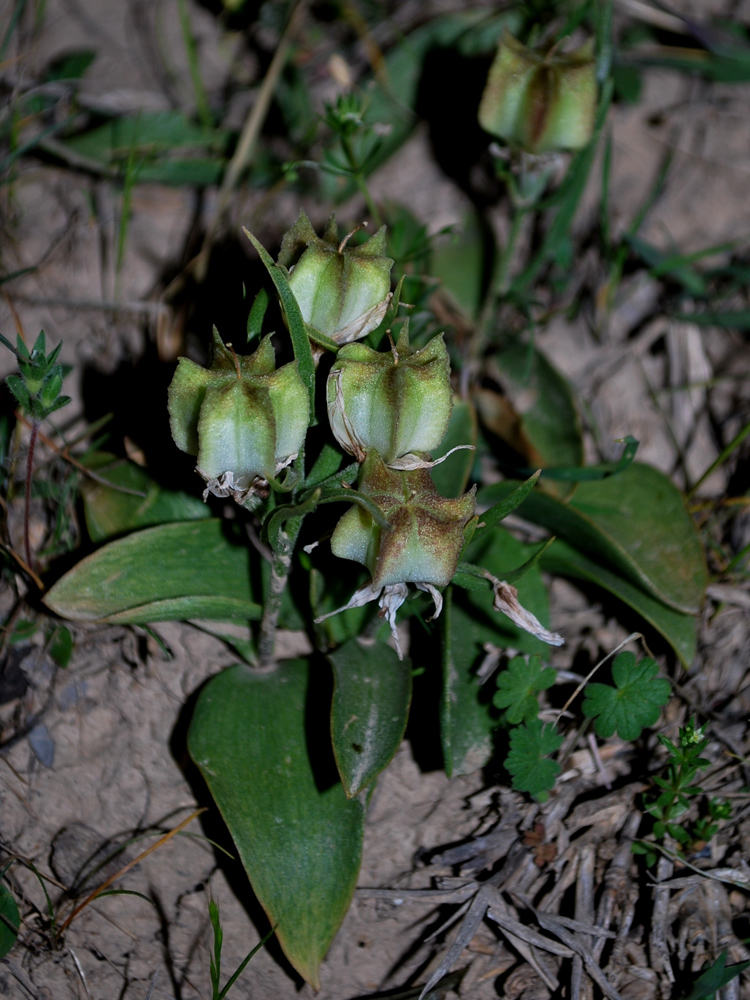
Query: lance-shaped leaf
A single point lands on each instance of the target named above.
(299, 838)
(202, 573)
(636, 523)
(297, 331)
(369, 712)
(10, 920)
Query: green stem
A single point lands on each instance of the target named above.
(280, 567)
(500, 285)
(27, 499)
(735, 443)
(502, 281)
(359, 178)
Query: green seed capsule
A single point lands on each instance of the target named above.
(243, 418)
(540, 101)
(395, 403)
(343, 291)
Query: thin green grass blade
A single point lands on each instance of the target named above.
(297, 327)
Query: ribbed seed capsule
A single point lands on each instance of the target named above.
(243, 418)
(395, 403)
(540, 101)
(343, 291)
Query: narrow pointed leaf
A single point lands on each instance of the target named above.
(201, 572)
(257, 314)
(299, 838)
(369, 712)
(297, 329)
(10, 920)
(499, 511)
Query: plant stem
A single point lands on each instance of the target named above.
(499, 287)
(356, 169)
(502, 281)
(27, 499)
(282, 562)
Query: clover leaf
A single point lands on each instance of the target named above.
(635, 701)
(517, 687)
(528, 763)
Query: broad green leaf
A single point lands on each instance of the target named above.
(680, 630)
(634, 523)
(452, 476)
(10, 920)
(467, 719)
(149, 133)
(528, 761)
(543, 399)
(193, 569)
(370, 708)
(518, 686)
(198, 171)
(634, 703)
(109, 511)
(299, 838)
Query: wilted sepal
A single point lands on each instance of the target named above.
(343, 292)
(540, 101)
(422, 548)
(245, 420)
(396, 403)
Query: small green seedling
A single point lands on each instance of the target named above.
(217, 993)
(634, 703)
(528, 761)
(518, 685)
(678, 788)
(37, 388)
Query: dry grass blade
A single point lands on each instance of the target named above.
(113, 878)
(584, 910)
(468, 929)
(592, 967)
(658, 947)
